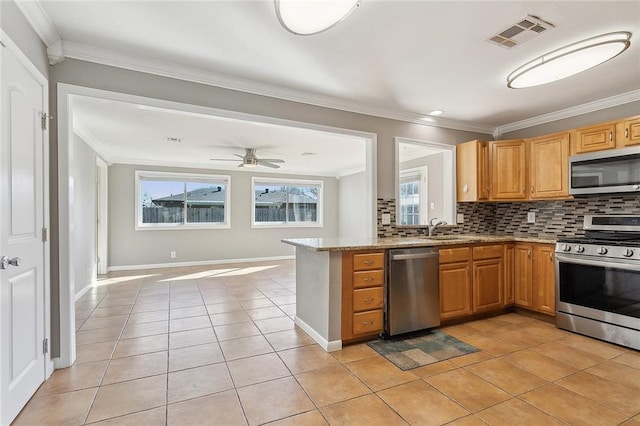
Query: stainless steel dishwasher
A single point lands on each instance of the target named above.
(413, 291)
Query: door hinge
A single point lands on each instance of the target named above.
(45, 235)
(45, 346)
(44, 117)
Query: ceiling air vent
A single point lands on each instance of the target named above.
(521, 31)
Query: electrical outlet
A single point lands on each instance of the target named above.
(386, 218)
(173, 254)
(531, 217)
(460, 218)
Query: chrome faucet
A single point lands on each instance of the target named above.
(433, 227)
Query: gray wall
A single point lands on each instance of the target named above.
(83, 228)
(352, 206)
(16, 26)
(129, 247)
(119, 80)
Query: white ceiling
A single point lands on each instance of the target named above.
(390, 58)
(137, 134)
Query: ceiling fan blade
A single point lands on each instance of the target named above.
(272, 160)
(238, 155)
(223, 159)
(267, 164)
(241, 165)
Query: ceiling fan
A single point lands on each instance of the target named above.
(249, 159)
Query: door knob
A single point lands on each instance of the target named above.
(5, 262)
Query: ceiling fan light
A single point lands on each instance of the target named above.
(306, 17)
(569, 60)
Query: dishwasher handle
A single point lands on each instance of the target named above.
(409, 256)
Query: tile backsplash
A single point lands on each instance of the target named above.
(554, 219)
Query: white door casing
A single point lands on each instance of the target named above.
(24, 294)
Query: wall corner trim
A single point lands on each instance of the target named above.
(332, 346)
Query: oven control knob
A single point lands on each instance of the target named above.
(566, 247)
(602, 250)
(580, 249)
(636, 187)
(627, 253)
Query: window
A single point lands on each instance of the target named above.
(413, 196)
(279, 202)
(180, 200)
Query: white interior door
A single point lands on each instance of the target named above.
(22, 285)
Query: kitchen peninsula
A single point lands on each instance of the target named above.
(340, 282)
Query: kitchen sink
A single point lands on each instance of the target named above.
(444, 237)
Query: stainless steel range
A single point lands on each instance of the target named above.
(598, 280)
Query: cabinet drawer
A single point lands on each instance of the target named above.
(454, 255)
(487, 252)
(363, 262)
(367, 322)
(367, 299)
(368, 278)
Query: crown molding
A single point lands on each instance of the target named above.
(91, 140)
(39, 21)
(586, 108)
(197, 75)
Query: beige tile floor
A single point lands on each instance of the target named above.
(217, 345)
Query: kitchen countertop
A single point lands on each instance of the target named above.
(345, 244)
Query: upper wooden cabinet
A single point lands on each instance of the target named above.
(549, 166)
(628, 132)
(594, 138)
(472, 171)
(508, 170)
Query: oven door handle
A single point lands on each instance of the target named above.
(589, 261)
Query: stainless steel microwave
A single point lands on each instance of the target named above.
(605, 172)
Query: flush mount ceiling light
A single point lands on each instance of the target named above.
(436, 112)
(569, 60)
(306, 17)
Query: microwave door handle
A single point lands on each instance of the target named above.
(580, 260)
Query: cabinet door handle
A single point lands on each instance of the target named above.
(626, 133)
(368, 279)
(367, 323)
(550, 256)
(610, 136)
(368, 299)
(368, 262)
(532, 189)
(529, 254)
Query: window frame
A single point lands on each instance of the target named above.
(319, 223)
(420, 176)
(140, 176)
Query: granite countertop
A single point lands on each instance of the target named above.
(345, 244)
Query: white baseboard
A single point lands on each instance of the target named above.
(84, 290)
(199, 263)
(332, 346)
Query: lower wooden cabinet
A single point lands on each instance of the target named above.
(534, 278)
(471, 280)
(455, 289)
(544, 278)
(362, 294)
(509, 271)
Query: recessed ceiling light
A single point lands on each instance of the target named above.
(569, 60)
(173, 139)
(313, 17)
(436, 112)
